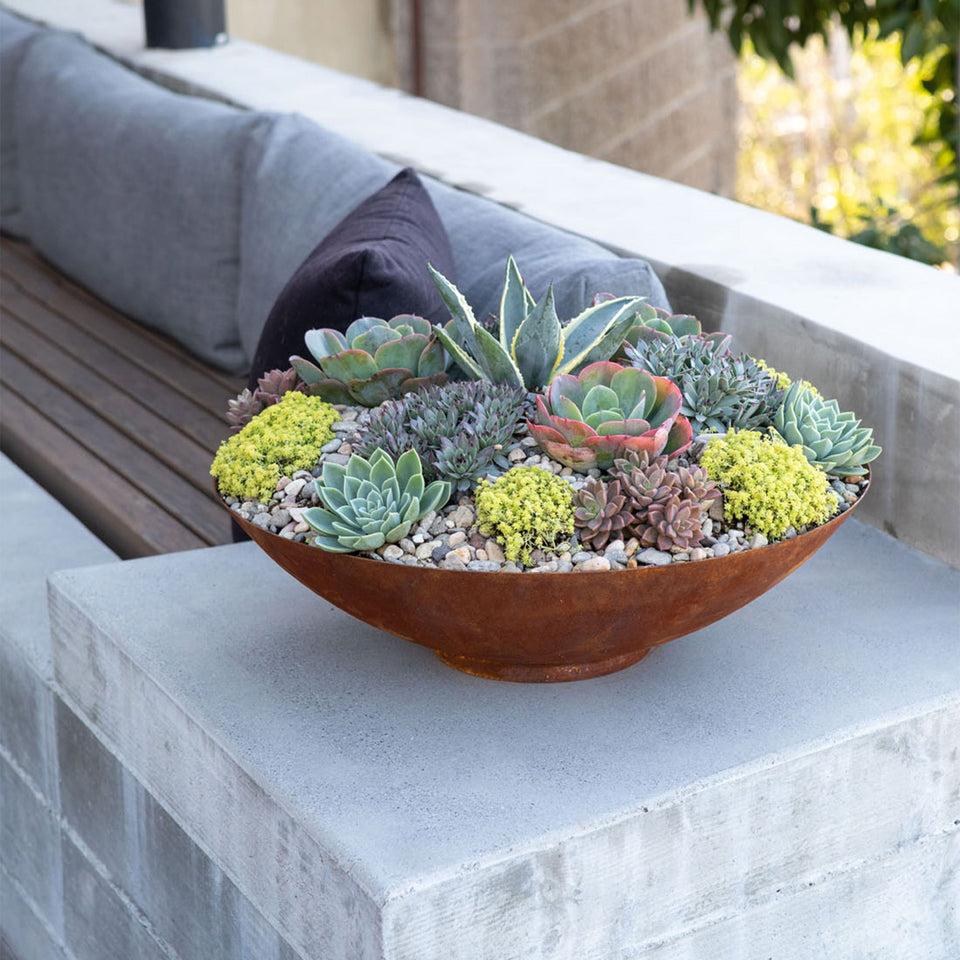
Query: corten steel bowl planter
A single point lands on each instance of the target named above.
(541, 627)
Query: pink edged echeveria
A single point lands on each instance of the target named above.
(592, 419)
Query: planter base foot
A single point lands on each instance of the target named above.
(539, 672)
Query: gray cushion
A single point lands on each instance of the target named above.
(15, 38)
(134, 191)
(483, 234)
(299, 182)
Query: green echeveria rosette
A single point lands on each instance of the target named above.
(591, 420)
(833, 441)
(369, 503)
(372, 361)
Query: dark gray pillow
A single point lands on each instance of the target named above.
(299, 182)
(15, 37)
(483, 234)
(134, 191)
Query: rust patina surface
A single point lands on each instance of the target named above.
(544, 627)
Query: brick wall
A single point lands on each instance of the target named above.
(636, 82)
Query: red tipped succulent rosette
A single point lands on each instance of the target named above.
(592, 419)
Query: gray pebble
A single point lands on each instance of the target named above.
(616, 556)
(484, 566)
(426, 549)
(721, 549)
(595, 564)
(453, 562)
(332, 447)
(280, 517)
(698, 553)
(564, 566)
(657, 558)
(391, 552)
(581, 556)
(262, 520)
(407, 545)
(440, 552)
(336, 458)
(758, 540)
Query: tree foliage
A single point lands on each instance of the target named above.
(929, 34)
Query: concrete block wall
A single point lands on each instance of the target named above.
(638, 82)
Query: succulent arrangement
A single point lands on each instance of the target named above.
(622, 436)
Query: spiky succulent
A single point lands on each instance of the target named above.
(600, 512)
(372, 361)
(590, 420)
(720, 390)
(831, 440)
(369, 503)
(531, 346)
(461, 431)
(674, 525)
(270, 389)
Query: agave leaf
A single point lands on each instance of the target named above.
(460, 311)
(537, 345)
(416, 324)
(361, 326)
(402, 353)
(513, 304)
(381, 386)
(324, 342)
(308, 372)
(375, 338)
(609, 344)
(593, 326)
(497, 364)
(432, 358)
(460, 356)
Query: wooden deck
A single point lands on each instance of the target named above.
(117, 422)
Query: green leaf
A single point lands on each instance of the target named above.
(497, 364)
(403, 353)
(597, 330)
(383, 385)
(308, 372)
(432, 360)
(361, 326)
(459, 356)
(460, 311)
(538, 342)
(601, 398)
(408, 466)
(513, 304)
(349, 365)
(324, 343)
(912, 44)
(434, 497)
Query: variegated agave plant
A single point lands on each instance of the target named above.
(531, 346)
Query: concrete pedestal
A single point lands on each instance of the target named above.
(255, 774)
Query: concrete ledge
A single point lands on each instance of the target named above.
(757, 782)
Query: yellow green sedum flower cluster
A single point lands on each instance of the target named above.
(766, 483)
(525, 509)
(281, 439)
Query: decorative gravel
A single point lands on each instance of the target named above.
(449, 539)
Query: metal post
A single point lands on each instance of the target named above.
(178, 24)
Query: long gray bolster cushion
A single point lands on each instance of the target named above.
(15, 38)
(134, 191)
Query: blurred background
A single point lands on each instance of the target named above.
(842, 115)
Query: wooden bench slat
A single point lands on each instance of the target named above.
(190, 506)
(193, 420)
(141, 425)
(160, 357)
(87, 487)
